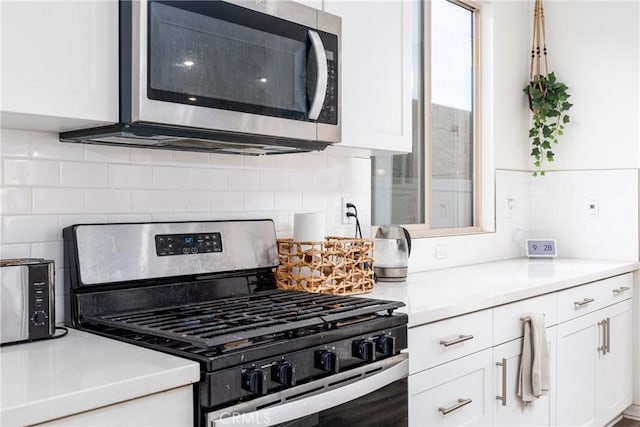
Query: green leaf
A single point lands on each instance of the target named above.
(532, 132)
(546, 145)
(565, 119)
(566, 105)
(542, 173)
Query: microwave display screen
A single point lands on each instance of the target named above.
(202, 57)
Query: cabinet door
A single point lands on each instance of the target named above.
(453, 394)
(59, 63)
(614, 392)
(577, 370)
(506, 362)
(376, 73)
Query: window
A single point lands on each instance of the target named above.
(435, 189)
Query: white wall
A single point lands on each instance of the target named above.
(48, 185)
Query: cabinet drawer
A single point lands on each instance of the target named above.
(454, 394)
(594, 296)
(440, 342)
(506, 318)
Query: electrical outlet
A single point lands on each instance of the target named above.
(347, 219)
(441, 252)
(593, 208)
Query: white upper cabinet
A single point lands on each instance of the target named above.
(59, 64)
(376, 73)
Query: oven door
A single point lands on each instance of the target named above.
(235, 67)
(374, 394)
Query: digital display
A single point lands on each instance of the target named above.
(329, 55)
(188, 244)
(541, 248)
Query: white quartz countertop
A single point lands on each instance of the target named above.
(55, 378)
(440, 294)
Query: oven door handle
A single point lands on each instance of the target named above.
(323, 75)
(316, 403)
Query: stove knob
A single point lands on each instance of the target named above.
(386, 344)
(365, 350)
(328, 361)
(284, 373)
(254, 380)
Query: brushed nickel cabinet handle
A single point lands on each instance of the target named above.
(585, 301)
(460, 404)
(608, 342)
(603, 347)
(461, 338)
(503, 398)
(620, 290)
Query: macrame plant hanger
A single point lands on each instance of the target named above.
(538, 44)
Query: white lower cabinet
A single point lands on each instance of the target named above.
(169, 408)
(509, 410)
(453, 394)
(464, 370)
(594, 366)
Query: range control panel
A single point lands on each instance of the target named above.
(188, 244)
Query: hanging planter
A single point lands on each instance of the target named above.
(547, 98)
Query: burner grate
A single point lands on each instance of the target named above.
(224, 321)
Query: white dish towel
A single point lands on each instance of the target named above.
(533, 377)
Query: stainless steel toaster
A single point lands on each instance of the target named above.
(26, 300)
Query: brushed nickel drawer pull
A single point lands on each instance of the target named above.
(460, 404)
(621, 290)
(585, 301)
(503, 398)
(461, 338)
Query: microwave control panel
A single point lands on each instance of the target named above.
(188, 244)
(329, 113)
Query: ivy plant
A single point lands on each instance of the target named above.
(548, 100)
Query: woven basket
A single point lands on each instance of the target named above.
(336, 266)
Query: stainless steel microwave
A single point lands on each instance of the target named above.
(247, 77)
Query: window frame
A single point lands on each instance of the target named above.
(425, 229)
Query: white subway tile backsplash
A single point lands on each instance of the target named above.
(31, 172)
(189, 201)
(58, 200)
(44, 146)
(49, 250)
(151, 201)
(288, 201)
(67, 220)
(140, 217)
(167, 217)
(14, 143)
(260, 162)
(243, 180)
(48, 185)
(226, 201)
(226, 161)
(209, 179)
(274, 180)
(130, 176)
(315, 162)
(14, 251)
(360, 167)
(301, 181)
(314, 202)
(16, 200)
(146, 156)
(166, 177)
(107, 154)
(190, 158)
(108, 201)
(259, 201)
(82, 174)
(30, 228)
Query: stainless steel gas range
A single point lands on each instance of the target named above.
(206, 291)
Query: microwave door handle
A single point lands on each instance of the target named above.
(323, 75)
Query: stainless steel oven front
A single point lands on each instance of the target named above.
(269, 67)
(374, 394)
